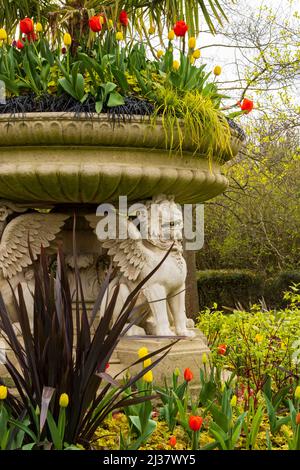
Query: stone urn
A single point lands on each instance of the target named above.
(53, 165)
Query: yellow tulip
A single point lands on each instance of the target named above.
(196, 54)
(67, 39)
(101, 18)
(148, 377)
(119, 36)
(177, 372)
(204, 358)
(233, 400)
(151, 30)
(143, 352)
(297, 392)
(160, 53)
(192, 60)
(171, 35)
(64, 400)
(217, 70)
(3, 392)
(176, 65)
(110, 23)
(192, 42)
(3, 35)
(38, 27)
(147, 363)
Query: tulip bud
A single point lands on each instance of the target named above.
(119, 36)
(298, 418)
(160, 53)
(176, 65)
(217, 70)
(196, 54)
(67, 39)
(148, 377)
(172, 441)
(297, 392)
(192, 43)
(64, 400)
(171, 35)
(177, 372)
(143, 352)
(188, 375)
(204, 358)
(195, 423)
(233, 401)
(147, 363)
(3, 35)
(151, 30)
(38, 27)
(3, 392)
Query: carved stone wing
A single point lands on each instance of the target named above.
(129, 255)
(40, 228)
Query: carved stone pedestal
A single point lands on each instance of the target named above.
(185, 353)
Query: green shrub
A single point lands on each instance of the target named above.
(276, 286)
(229, 288)
(256, 344)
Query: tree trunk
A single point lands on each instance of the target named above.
(191, 297)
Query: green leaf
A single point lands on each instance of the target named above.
(115, 99)
(56, 438)
(99, 106)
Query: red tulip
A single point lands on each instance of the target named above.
(188, 375)
(172, 441)
(20, 44)
(123, 18)
(246, 105)
(31, 36)
(298, 418)
(222, 349)
(180, 28)
(95, 24)
(106, 366)
(26, 26)
(195, 423)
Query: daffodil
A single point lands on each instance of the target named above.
(64, 400)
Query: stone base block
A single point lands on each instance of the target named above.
(185, 353)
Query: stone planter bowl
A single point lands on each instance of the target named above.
(50, 158)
